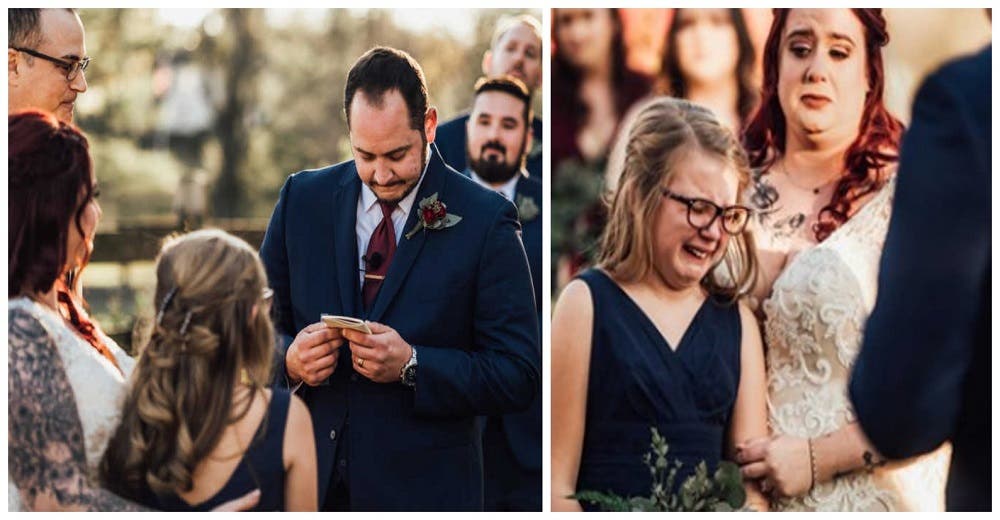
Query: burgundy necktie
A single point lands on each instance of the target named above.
(381, 247)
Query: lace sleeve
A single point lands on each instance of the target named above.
(46, 453)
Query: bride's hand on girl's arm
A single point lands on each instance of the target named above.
(785, 464)
(780, 463)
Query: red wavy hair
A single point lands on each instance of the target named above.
(50, 178)
(879, 132)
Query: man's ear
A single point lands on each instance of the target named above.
(487, 62)
(12, 64)
(430, 124)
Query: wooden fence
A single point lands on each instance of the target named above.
(139, 241)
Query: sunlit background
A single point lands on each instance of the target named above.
(197, 116)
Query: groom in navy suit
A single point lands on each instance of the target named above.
(923, 374)
(434, 262)
(498, 139)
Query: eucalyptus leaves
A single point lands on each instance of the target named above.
(722, 491)
(433, 214)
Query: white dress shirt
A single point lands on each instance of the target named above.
(508, 189)
(370, 216)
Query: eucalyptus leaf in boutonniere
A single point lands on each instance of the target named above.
(536, 148)
(433, 214)
(526, 208)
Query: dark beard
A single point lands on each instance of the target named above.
(496, 172)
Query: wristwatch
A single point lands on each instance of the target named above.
(408, 374)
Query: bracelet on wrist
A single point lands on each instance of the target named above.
(812, 464)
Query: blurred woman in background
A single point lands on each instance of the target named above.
(708, 59)
(592, 85)
(592, 89)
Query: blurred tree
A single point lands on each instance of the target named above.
(239, 55)
(273, 85)
(277, 92)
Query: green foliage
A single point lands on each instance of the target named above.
(576, 198)
(291, 115)
(280, 83)
(721, 491)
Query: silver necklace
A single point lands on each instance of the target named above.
(814, 190)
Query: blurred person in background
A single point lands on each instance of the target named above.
(825, 151)
(648, 338)
(592, 89)
(46, 60)
(592, 85)
(46, 64)
(708, 59)
(499, 137)
(515, 50)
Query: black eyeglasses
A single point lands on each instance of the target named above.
(702, 213)
(72, 68)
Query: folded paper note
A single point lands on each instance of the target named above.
(345, 322)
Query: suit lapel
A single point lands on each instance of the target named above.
(344, 211)
(408, 248)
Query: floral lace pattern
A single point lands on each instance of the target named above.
(814, 325)
(98, 386)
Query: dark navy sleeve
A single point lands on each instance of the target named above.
(908, 378)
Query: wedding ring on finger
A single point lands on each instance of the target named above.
(361, 362)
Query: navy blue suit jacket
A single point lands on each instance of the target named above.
(923, 373)
(524, 429)
(452, 141)
(461, 296)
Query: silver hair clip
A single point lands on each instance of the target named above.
(187, 320)
(166, 302)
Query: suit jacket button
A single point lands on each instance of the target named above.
(333, 435)
(354, 378)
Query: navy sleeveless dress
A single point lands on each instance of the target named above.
(637, 381)
(262, 467)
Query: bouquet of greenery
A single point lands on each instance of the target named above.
(722, 491)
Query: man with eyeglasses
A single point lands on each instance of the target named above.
(46, 60)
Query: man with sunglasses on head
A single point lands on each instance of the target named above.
(46, 60)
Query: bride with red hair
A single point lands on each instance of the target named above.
(824, 149)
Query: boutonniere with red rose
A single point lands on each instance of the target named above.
(433, 214)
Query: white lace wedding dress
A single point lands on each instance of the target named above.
(99, 388)
(815, 319)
